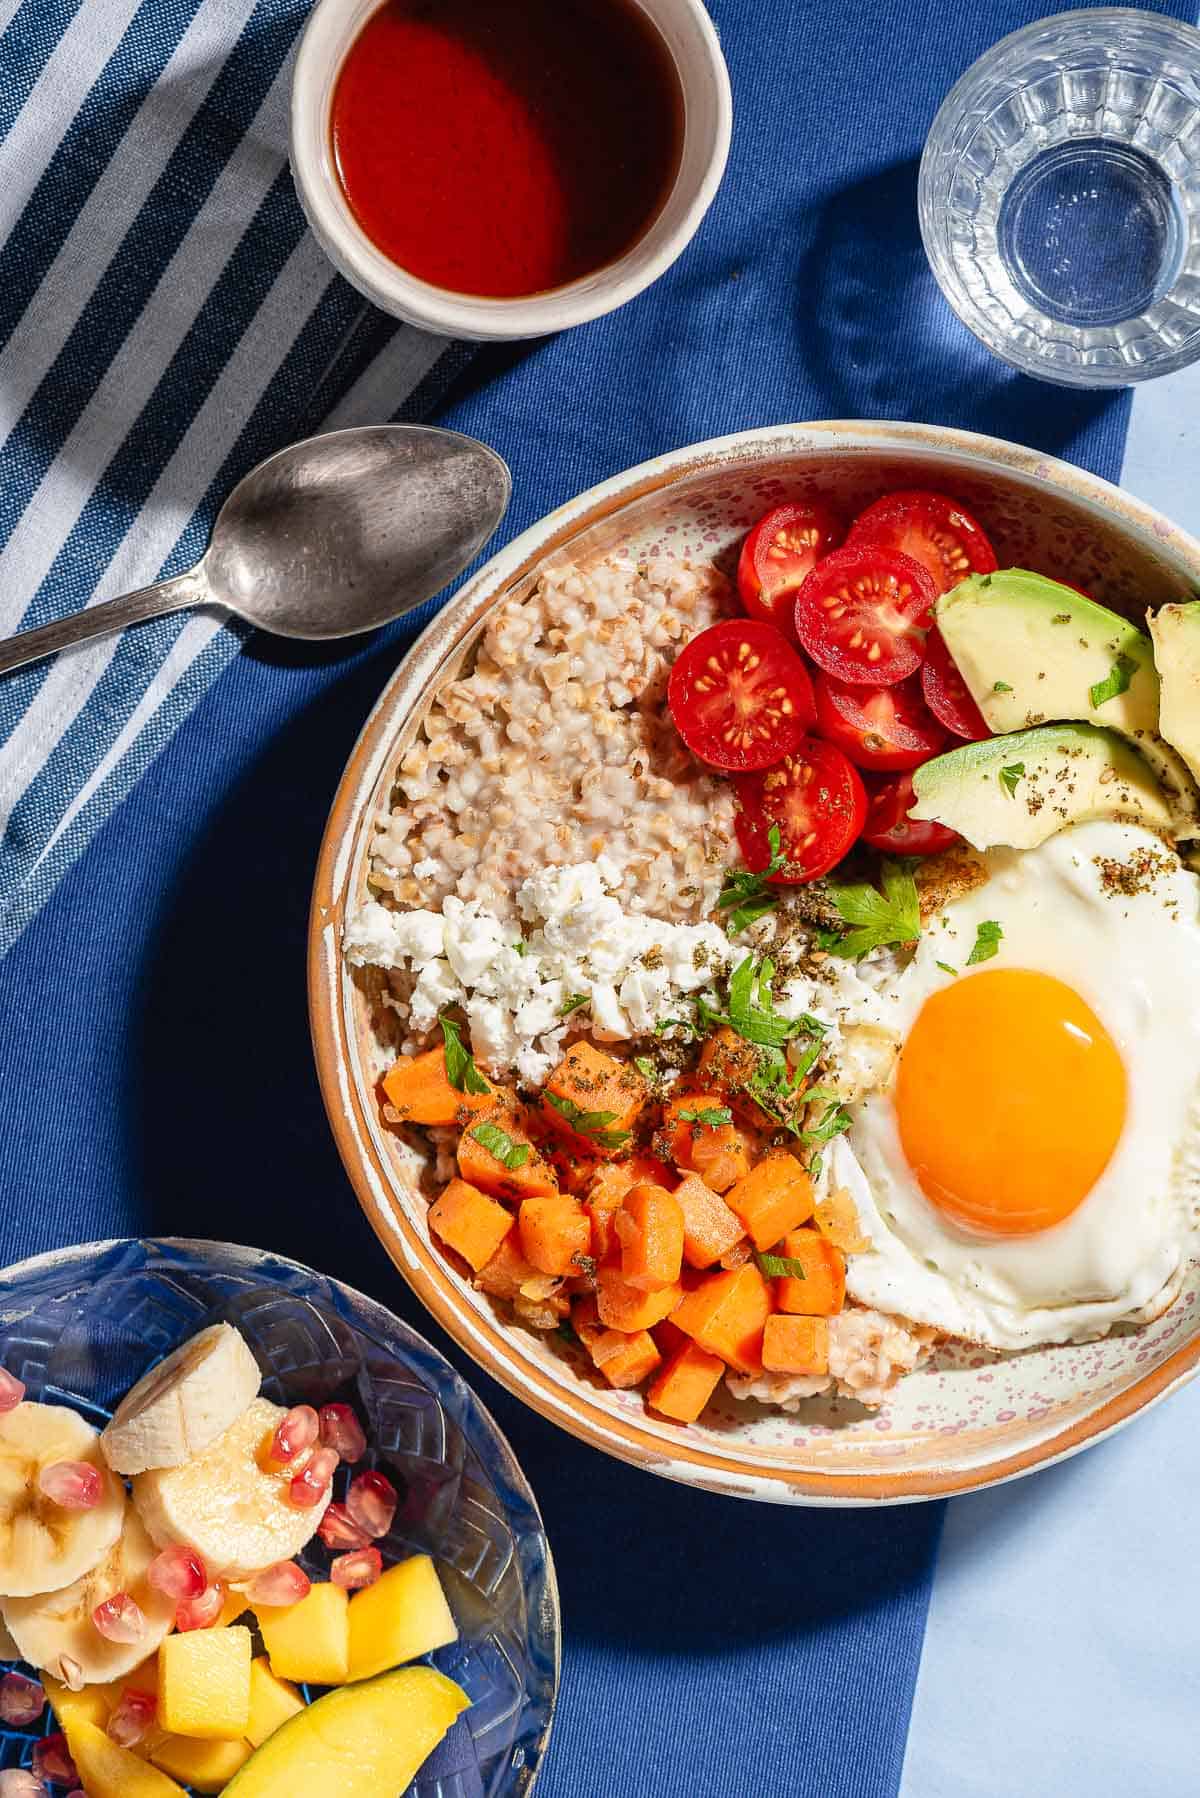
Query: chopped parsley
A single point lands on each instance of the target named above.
(878, 918)
(499, 1143)
(987, 942)
(780, 1267)
(946, 968)
(572, 1003)
(1115, 682)
(461, 1071)
(833, 1120)
(712, 1117)
(1001, 686)
(746, 896)
(1010, 776)
(593, 1124)
(521, 946)
(645, 1067)
(752, 1008)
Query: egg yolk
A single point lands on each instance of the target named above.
(1010, 1098)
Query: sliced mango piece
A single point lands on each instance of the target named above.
(92, 1705)
(273, 1701)
(309, 1641)
(403, 1615)
(205, 1766)
(358, 1742)
(108, 1771)
(204, 1683)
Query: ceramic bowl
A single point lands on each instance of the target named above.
(691, 40)
(968, 1419)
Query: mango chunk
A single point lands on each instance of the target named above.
(205, 1766)
(358, 1742)
(402, 1616)
(108, 1771)
(89, 1706)
(309, 1641)
(204, 1683)
(273, 1702)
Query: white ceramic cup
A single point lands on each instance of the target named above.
(689, 36)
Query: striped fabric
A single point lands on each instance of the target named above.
(166, 320)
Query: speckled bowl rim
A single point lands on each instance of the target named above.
(717, 1468)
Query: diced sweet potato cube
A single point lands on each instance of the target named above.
(822, 1291)
(794, 1344)
(669, 1338)
(625, 1360)
(719, 1153)
(650, 1231)
(469, 1222)
(725, 1314)
(740, 1253)
(773, 1198)
(418, 1089)
(710, 1228)
(686, 1383)
(553, 1232)
(727, 1062)
(625, 1307)
(480, 1165)
(587, 1083)
(508, 1275)
(836, 1217)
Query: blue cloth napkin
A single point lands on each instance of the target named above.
(154, 1066)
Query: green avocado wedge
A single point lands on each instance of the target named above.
(360, 1741)
(1016, 791)
(1175, 631)
(1032, 651)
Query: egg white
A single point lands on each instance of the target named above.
(1135, 960)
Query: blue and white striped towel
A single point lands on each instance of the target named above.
(166, 320)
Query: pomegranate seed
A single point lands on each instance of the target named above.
(52, 1761)
(341, 1430)
(353, 1571)
(119, 1619)
(284, 1583)
(371, 1502)
(22, 1700)
(179, 1572)
(337, 1529)
(18, 1782)
(296, 1432)
(133, 1718)
(75, 1485)
(312, 1482)
(12, 1391)
(202, 1612)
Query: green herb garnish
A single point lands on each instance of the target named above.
(747, 895)
(572, 1003)
(987, 942)
(780, 1267)
(1001, 686)
(521, 946)
(713, 1117)
(645, 1067)
(499, 1143)
(1116, 682)
(878, 918)
(946, 968)
(752, 1007)
(1010, 776)
(590, 1123)
(461, 1071)
(568, 1332)
(833, 1120)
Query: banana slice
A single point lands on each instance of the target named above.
(182, 1405)
(42, 1546)
(56, 1632)
(222, 1504)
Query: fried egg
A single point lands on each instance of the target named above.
(1030, 1171)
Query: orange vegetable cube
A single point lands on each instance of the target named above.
(836, 1218)
(509, 1276)
(822, 1291)
(625, 1360)
(650, 1232)
(710, 1228)
(469, 1222)
(773, 1198)
(480, 1160)
(553, 1233)
(727, 1062)
(588, 1083)
(796, 1344)
(585, 1320)
(417, 1087)
(719, 1153)
(725, 1314)
(669, 1338)
(686, 1383)
(625, 1307)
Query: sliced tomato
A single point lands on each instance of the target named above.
(815, 796)
(739, 695)
(862, 615)
(889, 826)
(931, 528)
(878, 727)
(946, 692)
(778, 553)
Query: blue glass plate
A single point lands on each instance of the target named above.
(81, 1325)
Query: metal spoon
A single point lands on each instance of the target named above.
(333, 536)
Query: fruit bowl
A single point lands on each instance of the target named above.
(967, 1418)
(79, 1326)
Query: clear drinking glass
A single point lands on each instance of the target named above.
(1060, 197)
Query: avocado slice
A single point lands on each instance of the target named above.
(1175, 630)
(1031, 650)
(1017, 790)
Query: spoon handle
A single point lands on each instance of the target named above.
(174, 595)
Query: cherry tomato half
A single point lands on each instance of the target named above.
(862, 615)
(889, 826)
(878, 727)
(934, 530)
(815, 796)
(778, 553)
(739, 695)
(946, 692)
